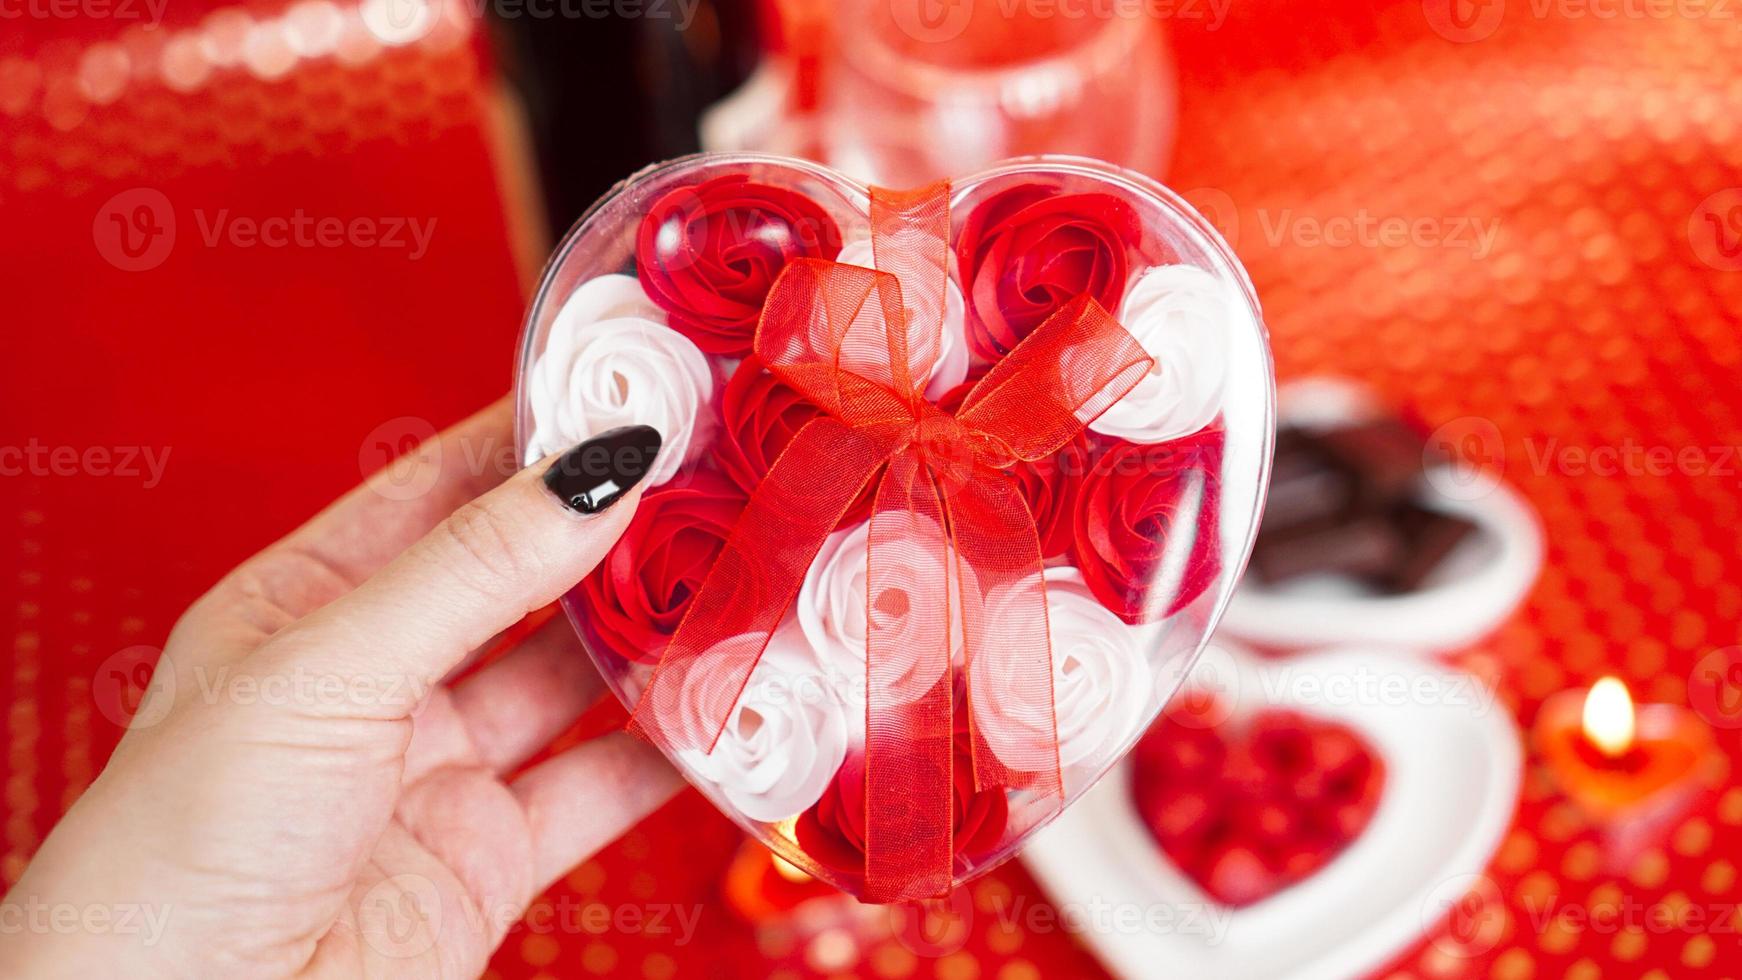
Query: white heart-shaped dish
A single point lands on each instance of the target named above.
(1453, 765)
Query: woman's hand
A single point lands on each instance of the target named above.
(314, 798)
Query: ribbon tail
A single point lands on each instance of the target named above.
(709, 660)
(909, 730)
(1008, 649)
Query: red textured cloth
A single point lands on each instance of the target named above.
(1602, 313)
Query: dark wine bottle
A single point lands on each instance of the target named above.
(610, 86)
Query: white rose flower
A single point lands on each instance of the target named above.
(1101, 679)
(610, 361)
(951, 367)
(833, 605)
(785, 738)
(1179, 313)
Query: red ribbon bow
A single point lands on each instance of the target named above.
(842, 336)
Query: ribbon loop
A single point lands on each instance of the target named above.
(861, 343)
(1058, 380)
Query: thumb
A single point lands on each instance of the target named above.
(504, 554)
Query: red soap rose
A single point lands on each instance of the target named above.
(634, 600)
(1180, 747)
(707, 254)
(833, 830)
(1236, 875)
(759, 415)
(1135, 509)
(1049, 485)
(1027, 251)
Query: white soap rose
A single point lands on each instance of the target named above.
(1180, 314)
(1101, 678)
(611, 361)
(785, 738)
(833, 604)
(951, 367)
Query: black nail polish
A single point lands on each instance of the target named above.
(591, 476)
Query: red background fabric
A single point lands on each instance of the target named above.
(1604, 316)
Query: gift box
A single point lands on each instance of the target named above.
(954, 483)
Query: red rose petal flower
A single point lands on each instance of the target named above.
(1185, 751)
(1182, 819)
(1026, 251)
(1138, 507)
(635, 599)
(1236, 875)
(833, 830)
(707, 254)
(1282, 743)
(1273, 823)
(1236, 828)
(1051, 486)
(1302, 860)
(759, 415)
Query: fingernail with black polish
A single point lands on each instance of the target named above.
(591, 476)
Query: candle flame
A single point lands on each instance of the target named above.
(1608, 717)
(788, 870)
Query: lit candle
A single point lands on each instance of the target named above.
(1608, 717)
(1618, 761)
(761, 886)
